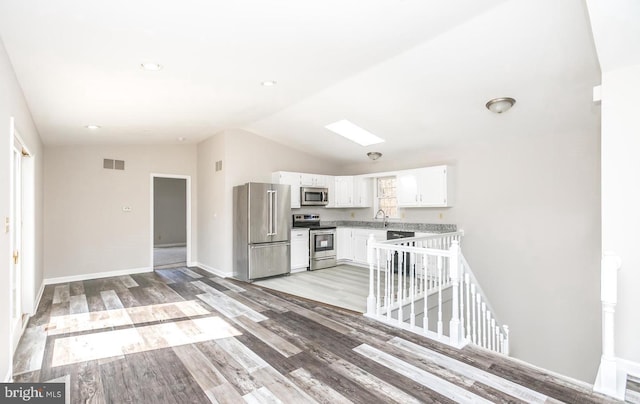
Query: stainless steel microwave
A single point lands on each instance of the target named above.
(314, 196)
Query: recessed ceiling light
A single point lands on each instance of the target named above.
(92, 126)
(269, 83)
(151, 67)
(354, 133)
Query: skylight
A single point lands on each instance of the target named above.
(354, 133)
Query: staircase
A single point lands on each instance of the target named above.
(425, 285)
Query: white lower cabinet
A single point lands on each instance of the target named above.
(345, 244)
(352, 243)
(299, 249)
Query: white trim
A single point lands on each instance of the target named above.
(9, 377)
(629, 367)
(38, 298)
(96, 275)
(188, 192)
(170, 245)
(213, 270)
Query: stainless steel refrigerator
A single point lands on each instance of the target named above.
(262, 231)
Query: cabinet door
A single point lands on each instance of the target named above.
(433, 186)
(362, 192)
(313, 180)
(360, 240)
(407, 188)
(299, 249)
(345, 244)
(292, 179)
(344, 191)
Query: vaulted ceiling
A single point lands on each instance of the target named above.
(414, 72)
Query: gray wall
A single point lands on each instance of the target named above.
(246, 157)
(12, 103)
(530, 208)
(86, 229)
(169, 211)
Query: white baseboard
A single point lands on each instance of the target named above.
(214, 271)
(96, 275)
(170, 245)
(38, 298)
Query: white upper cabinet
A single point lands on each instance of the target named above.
(351, 192)
(293, 179)
(362, 192)
(343, 192)
(313, 180)
(425, 187)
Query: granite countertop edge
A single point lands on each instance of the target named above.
(402, 226)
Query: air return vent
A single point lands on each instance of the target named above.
(219, 165)
(112, 164)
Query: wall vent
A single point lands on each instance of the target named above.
(219, 165)
(112, 164)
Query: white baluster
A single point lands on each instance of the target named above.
(388, 301)
(412, 276)
(455, 333)
(439, 265)
(475, 312)
(425, 320)
(401, 282)
(379, 297)
(371, 299)
(506, 340)
(493, 334)
(469, 306)
(484, 325)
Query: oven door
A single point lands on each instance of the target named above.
(322, 243)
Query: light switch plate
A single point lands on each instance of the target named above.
(126, 208)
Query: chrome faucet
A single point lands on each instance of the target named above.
(384, 217)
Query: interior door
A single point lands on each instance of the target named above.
(16, 246)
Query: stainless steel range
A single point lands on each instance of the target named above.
(322, 241)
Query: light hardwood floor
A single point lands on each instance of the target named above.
(184, 336)
(343, 286)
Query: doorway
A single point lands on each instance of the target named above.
(21, 225)
(171, 212)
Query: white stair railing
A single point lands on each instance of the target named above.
(419, 283)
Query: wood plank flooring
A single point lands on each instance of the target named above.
(184, 336)
(345, 286)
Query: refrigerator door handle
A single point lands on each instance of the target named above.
(275, 213)
(271, 208)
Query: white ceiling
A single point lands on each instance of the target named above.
(414, 72)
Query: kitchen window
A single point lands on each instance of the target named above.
(386, 195)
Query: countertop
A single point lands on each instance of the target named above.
(402, 226)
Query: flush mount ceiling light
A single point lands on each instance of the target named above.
(151, 67)
(374, 155)
(354, 133)
(92, 127)
(500, 105)
(269, 83)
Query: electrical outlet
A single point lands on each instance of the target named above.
(126, 208)
(402, 215)
(441, 215)
(353, 214)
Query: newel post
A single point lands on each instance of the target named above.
(455, 330)
(371, 299)
(608, 380)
